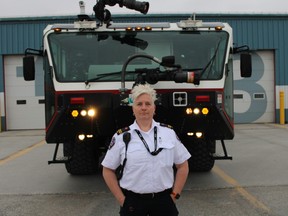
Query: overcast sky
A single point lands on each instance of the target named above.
(24, 8)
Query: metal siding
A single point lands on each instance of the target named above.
(263, 33)
(11, 39)
(1, 75)
(256, 31)
(259, 32)
(17, 35)
(2, 107)
(3, 41)
(285, 49)
(283, 79)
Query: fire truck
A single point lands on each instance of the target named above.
(91, 65)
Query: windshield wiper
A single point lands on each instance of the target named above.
(211, 61)
(100, 76)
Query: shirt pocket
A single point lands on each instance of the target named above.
(137, 156)
(166, 156)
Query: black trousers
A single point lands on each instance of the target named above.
(157, 204)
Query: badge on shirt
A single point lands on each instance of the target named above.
(112, 143)
(160, 140)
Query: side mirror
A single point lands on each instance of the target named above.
(28, 68)
(245, 65)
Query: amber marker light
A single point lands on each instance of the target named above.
(129, 29)
(218, 28)
(148, 28)
(75, 113)
(57, 30)
(138, 28)
(205, 111)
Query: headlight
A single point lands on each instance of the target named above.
(81, 137)
(196, 111)
(83, 113)
(91, 112)
(199, 134)
(189, 111)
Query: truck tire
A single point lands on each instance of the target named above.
(201, 156)
(83, 158)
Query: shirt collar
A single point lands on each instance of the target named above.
(135, 125)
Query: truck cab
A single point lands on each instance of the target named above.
(90, 69)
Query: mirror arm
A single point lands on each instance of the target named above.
(30, 51)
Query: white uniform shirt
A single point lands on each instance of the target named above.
(144, 173)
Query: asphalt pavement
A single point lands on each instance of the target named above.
(254, 183)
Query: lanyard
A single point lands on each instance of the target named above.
(156, 151)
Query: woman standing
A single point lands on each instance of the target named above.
(148, 186)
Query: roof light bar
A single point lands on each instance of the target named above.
(85, 24)
(199, 24)
(139, 25)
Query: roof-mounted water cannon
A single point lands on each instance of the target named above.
(104, 15)
(142, 7)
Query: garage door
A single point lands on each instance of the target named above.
(254, 100)
(24, 100)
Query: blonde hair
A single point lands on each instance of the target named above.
(143, 89)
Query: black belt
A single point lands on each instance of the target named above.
(147, 195)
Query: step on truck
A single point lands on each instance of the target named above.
(91, 65)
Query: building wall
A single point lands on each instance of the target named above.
(259, 32)
(17, 34)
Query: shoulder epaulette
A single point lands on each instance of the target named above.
(166, 125)
(122, 130)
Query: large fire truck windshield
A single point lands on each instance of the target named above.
(99, 56)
